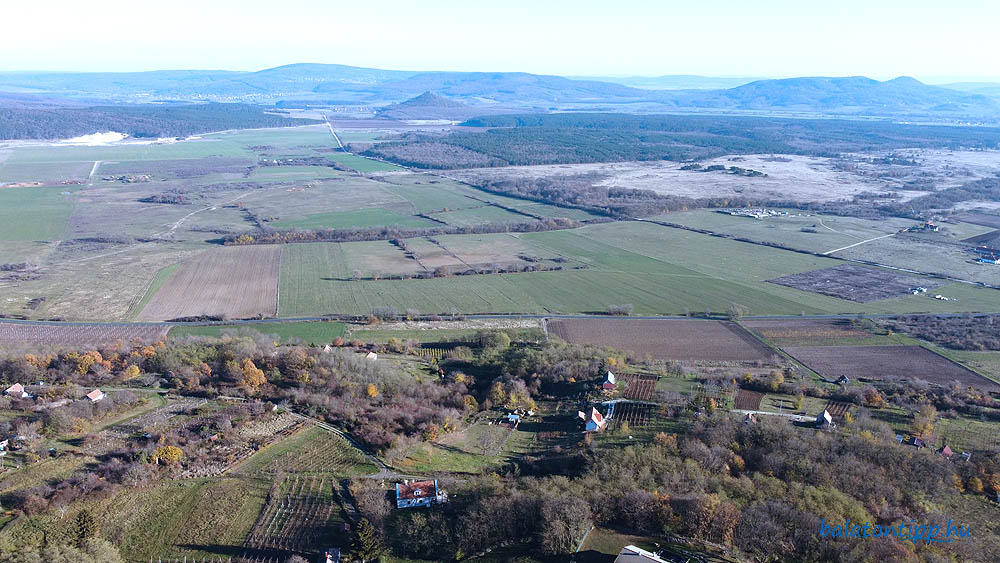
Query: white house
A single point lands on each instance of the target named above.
(595, 422)
(419, 493)
(633, 554)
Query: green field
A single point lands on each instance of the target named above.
(632, 263)
(28, 214)
(362, 164)
(479, 215)
(372, 217)
(313, 333)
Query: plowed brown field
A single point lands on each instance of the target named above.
(665, 339)
(236, 282)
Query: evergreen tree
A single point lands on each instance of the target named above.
(367, 545)
(84, 528)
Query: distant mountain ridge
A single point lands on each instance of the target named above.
(902, 97)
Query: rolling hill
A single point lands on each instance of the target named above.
(900, 98)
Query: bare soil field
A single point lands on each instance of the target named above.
(235, 282)
(77, 335)
(666, 339)
(887, 363)
(748, 400)
(980, 219)
(856, 283)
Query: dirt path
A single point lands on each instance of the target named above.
(828, 252)
(90, 179)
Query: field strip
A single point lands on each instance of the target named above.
(828, 252)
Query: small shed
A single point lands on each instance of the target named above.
(371, 356)
(917, 442)
(844, 380)
(946, 452)
(96, 395)
(330, 555)
(824, 419)
(513, 419)
(17, 391)
(609, 382)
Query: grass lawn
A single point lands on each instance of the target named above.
(481, 215)
(314, 333)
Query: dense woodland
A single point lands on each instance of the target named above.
(579, 137)
(149, 121)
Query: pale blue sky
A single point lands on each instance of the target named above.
(928, 39)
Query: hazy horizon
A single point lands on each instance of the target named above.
(777, 39)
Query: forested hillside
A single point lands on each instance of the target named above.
(588, 137)
(21, 122)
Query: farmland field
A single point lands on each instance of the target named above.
(748, 400)
(314, 333)
(372, 217)
(310, 451)
(34, 213)
(667, 339)
(857, 283)
(887, 363)
(236, 282)
(815, 332)
(76, 335)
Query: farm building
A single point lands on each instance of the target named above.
(824, 420)
(371, 356)
(844, 380)
(609, 382)
(17, 391)
(513, 419)
(419, 493)
(946, 452)
(595, 422)
(96, 395)
(633, 554)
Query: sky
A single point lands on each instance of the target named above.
(932, 40)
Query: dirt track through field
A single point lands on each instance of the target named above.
(236, 282)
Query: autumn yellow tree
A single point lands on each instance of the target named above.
(372, 390)
(168, 455)
(253, 377)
